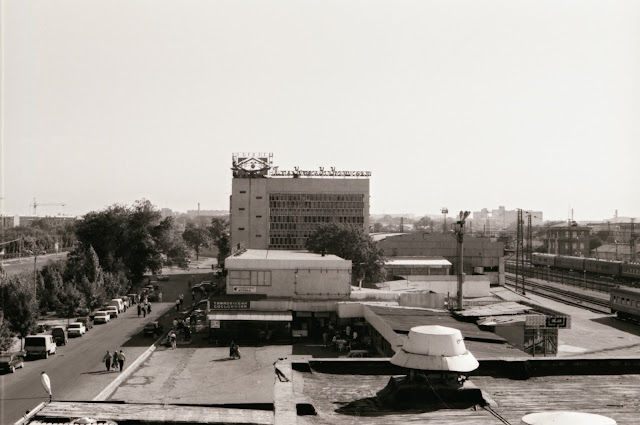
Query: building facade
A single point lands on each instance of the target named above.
(481, 255)
(565, 239)
(492, 221)
(273, 209)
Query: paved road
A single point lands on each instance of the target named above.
(76, 370)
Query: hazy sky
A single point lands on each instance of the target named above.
(464, 104)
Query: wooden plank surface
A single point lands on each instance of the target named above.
(156, 413)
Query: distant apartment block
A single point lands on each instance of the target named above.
(277, 209)
(565, 239)
(494, 220)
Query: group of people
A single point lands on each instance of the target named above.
(331, 336)
(115, 360)
(144, 307)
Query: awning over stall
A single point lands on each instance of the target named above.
(256, 316)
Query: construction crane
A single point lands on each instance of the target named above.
(35, 205)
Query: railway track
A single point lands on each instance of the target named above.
(562, 296)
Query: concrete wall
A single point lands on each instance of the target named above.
(420, 299)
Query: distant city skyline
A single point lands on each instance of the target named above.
(465, 105)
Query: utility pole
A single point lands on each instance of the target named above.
(460, 237)
(529, 240)
(520, 252)
(632, 241)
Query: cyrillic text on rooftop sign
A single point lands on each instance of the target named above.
(332, 172)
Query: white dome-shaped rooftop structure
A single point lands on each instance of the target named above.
(565, 418)
(436, 348)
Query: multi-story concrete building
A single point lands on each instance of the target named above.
(494, 220)
(565, 239)
(273, 209)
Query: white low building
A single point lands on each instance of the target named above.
(288, 274)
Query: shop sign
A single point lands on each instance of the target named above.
(244, 289)
(230, 305)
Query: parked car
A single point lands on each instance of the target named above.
(40, 345)
(102, 317)
(153, 328)
(112, 310)
(76, 329)
(9, 362)
(43, 252)
(86, 321)
(92, 315)
(118, 304)
(60, 335)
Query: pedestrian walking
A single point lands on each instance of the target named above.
(114, 360)
(107, 360)
(178, 305)
(149, 308)
(144, 311)
(232, 349)
(325, 338)
(172, 339)
(139, 310)
(121, 359)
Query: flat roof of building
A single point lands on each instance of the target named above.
(284, 259)
(342, 399)
(433, 262)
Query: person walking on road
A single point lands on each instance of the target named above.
(139, 310)
(121, 359)
(114, 360)
(107, 360)
(178, 305)
(172, 339)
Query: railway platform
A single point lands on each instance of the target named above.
(592, 335)
(584, 292)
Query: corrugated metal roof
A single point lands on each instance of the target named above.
(499, 309)
(262, 316)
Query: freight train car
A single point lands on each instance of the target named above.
(625, 302)
(602, 267)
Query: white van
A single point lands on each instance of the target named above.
(40, 345)
(117, 302)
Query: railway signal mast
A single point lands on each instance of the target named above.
(520, 252)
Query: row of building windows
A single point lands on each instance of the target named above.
(249, 278)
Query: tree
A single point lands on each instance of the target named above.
(594, 243)
(19, 306)
(69, 301)
(178, 254)
(348, 241)
(219, 234)
(127, 239)
(6, 338)
(196, 237)
(423, 224)
(50, 284)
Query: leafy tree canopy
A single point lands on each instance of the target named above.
(196, 236)
(131, 239)
(348, 241)
(19, 304)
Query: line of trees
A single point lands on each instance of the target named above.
(115, 248)
(199, 234)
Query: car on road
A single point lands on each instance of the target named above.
(126, 301)
(153, 328)
(40, 345)
(76, 329)
(163, 277)
(60, 335)
(43, 252)
(86, 321)
(206, 286)
(9, 362)
(112, 310)
(118, 304)
(102, 317)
